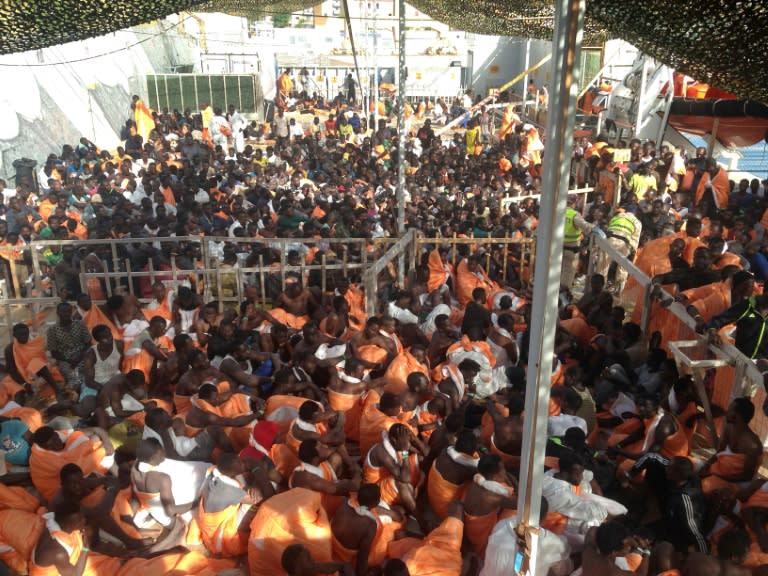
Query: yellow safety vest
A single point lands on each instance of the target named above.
(572, 234)
(622, 225)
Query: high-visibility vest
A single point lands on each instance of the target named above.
(571, 235)
(623, 225)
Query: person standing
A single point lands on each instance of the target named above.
(237, 123)
(623, 236)
(351, 90)
(575, 226)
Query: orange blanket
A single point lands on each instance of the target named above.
(293, 517)
(439, 273)
(386, 482)
(20, 530)
(439, 554)
(726, 464)
(399, 369)
(290, 320)
(44, 465)
(96, 316)
(17, 498)
(373, 422)
(442, 493)
(466, 282)
(219, 531)
(30, 358)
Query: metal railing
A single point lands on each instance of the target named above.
(696, 355)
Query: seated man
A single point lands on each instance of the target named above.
(159, 425)
(227, 507)
(507, 438)
(51, 450)
(394, 468)
(295, 517)
(740, 451)
(570, 513)
(120, 398)
(358, 527)
(412, 360)
(95, 502)
(489, 498)
(26, 361)
(154, 490)
(451, 473)
(102, 362)
(199, 372)
(438, 554)
(457, 382)
(239, 369)
(209, 407)
(320, 469)
(604, 544)
(146, 349)
(374, 350)
(378, 417)
(732, 551)
(659, 433)
(552, 556)
(63, 545)
(293, 306)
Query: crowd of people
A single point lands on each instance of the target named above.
(152, 429)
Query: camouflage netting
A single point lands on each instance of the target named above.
(718, 41)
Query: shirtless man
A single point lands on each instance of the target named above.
(508, 432)
(444, 436)
(239, 370)
(390, 461)
(120, 398)
(350, 380)
(483, 498)
(320, 469)
(371, 336)
(457, 465)
(310, 415)
(737, 439)
(295, 299)
(51, 555)
(199, 418)
(159, 425)
(355, 527)
(75, 487)
(146, 480)
(176, 364)
(310, 341)
(200, 371)
(459, 387)
(336, 322)
(444, 337)
(604, 543)
(732, 549)
(208, 323)
(297, 561)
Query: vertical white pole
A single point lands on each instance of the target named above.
(569, 20)
(401, 131)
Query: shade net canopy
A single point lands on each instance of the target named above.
(717, 41)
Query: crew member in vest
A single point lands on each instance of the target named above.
(575, 226)
(751, 319)
(623, 235)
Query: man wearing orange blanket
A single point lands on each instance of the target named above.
(451, 473)
(362, 527)
(90, 449)
(293, 517)
(490, 497)
(439, 554)
(470, 275)
(26, 361)
(740, 451)
(210, 408)
(394, 468)
(226, 508)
